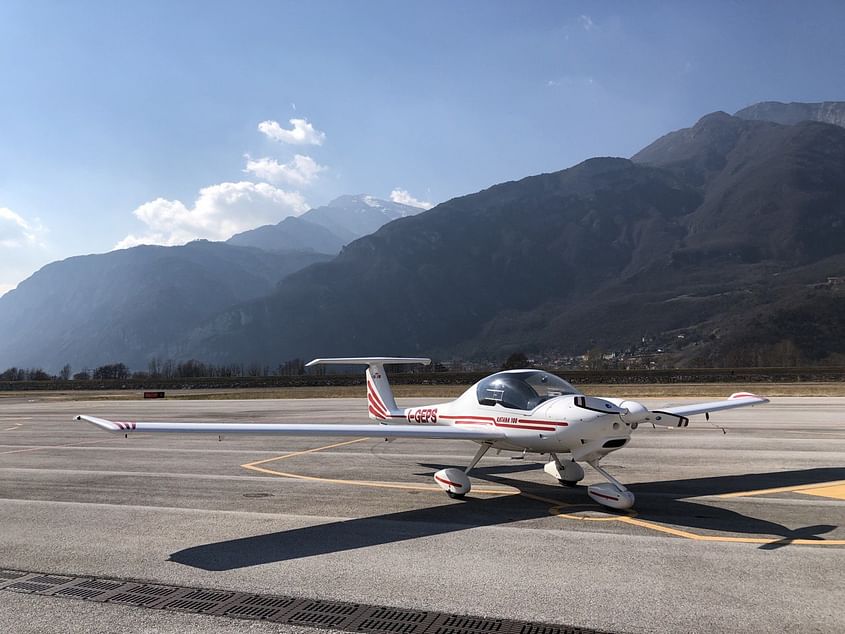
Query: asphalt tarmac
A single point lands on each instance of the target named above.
(736, 531)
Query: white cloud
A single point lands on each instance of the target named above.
(22, 248)
(302, 170)
(15, 232)
(403, 197)
(573, 82)
(219, 212)
(587, 22)
(302, 133)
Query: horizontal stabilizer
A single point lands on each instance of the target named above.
(368, 361)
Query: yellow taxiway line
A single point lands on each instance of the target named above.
(801, 488)
(362, 483)
(557, 505)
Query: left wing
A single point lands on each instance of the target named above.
(369, 431)
(740, 399)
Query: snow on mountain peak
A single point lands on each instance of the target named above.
(372, 202)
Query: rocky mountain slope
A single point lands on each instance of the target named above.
(697, 240)
(795, 112)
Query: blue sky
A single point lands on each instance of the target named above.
(137, 122)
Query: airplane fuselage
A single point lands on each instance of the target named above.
(557, 425)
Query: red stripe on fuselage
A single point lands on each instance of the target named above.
(525, 427)
(490, 418)
(544, 422)
(486, 420)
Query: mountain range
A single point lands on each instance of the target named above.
(795, 112)
(718, 244)
(130, 305)
(326, 229)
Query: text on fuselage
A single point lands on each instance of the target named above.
(425, 415)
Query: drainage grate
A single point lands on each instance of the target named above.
(77, 593)
(256, 606)
(336, 615)
(395, 621)
(538, 628)
(457, 624)
(102, 586)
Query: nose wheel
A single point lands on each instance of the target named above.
(568, 473)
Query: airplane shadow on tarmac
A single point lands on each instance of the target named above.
(661, 502)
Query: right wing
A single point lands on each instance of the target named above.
(442, 432)
(739, 399)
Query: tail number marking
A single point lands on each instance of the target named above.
(425, 415)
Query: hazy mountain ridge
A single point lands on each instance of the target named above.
(290, 233)
(129, 305)
(326, 229)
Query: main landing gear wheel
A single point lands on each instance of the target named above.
(612, 493)
(455, 481)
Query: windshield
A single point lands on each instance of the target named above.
(524, 389)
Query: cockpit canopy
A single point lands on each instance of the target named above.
(521, 389)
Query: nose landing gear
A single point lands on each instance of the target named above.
(568, 473)
(612, 493)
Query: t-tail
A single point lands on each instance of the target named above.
(380, 402)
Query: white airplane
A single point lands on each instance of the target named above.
(528, 411)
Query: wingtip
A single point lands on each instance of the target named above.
(103, 423)
(737, 395)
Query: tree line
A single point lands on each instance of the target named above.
(158, 369)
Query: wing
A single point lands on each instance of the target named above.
(369, 431)
(740, 399)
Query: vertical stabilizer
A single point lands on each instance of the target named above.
(380, 402)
